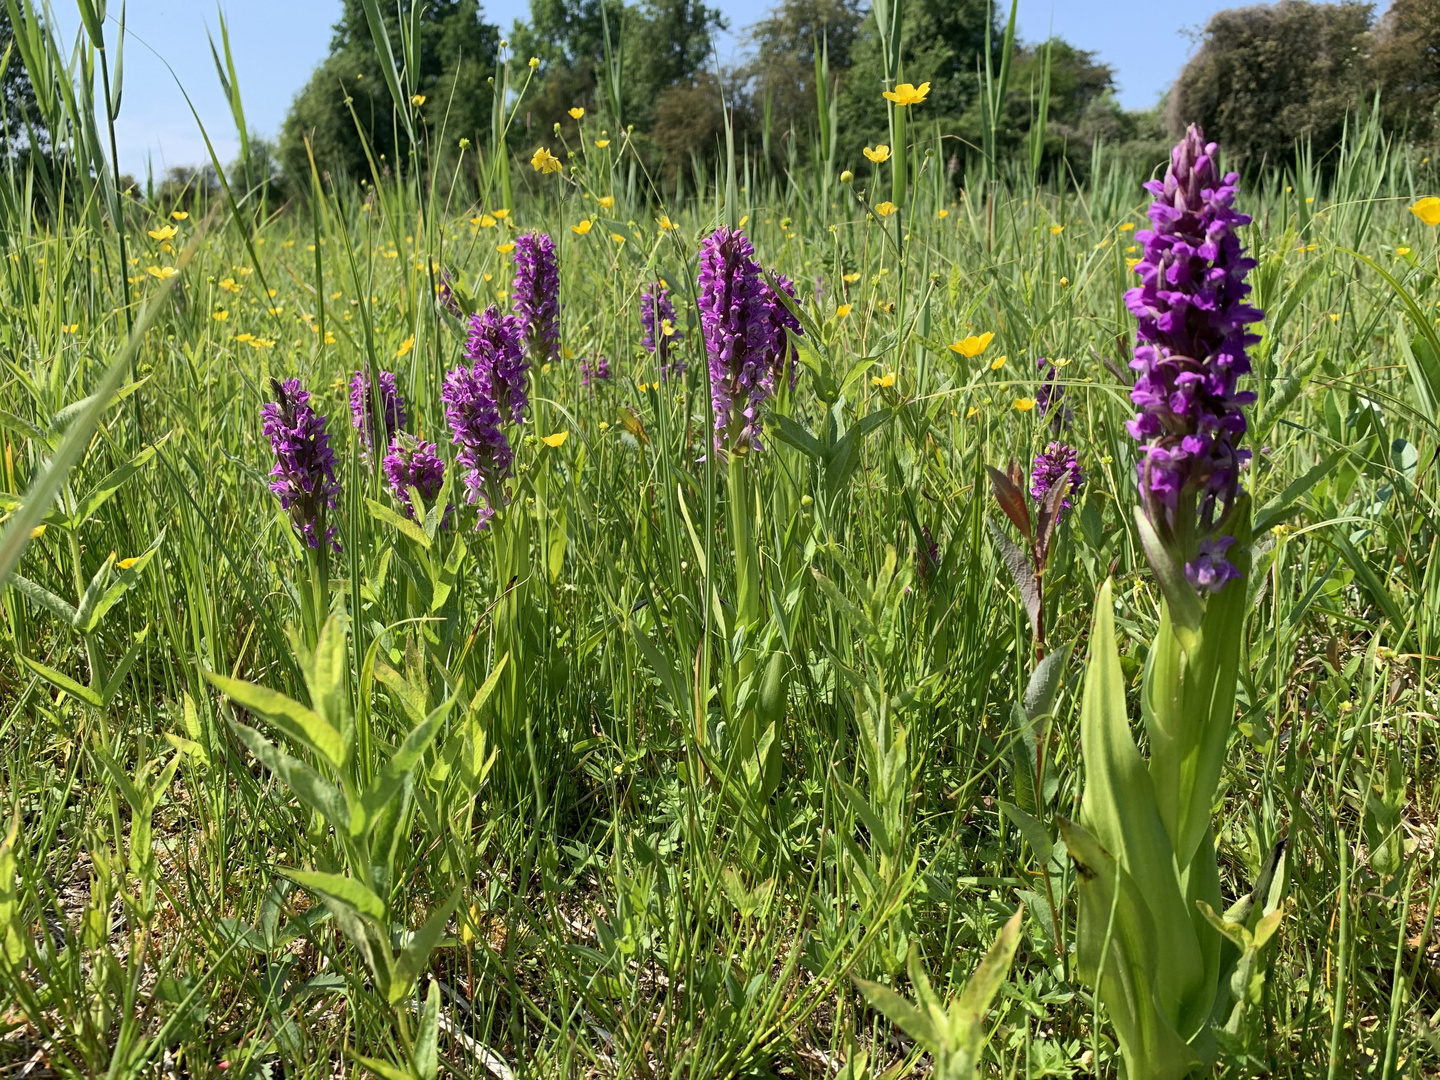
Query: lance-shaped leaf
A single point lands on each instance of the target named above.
(1185, 609)
(309, 787)
(100, 494)
(425, 1058)
(329, 684)
(61, 681)
(38, 594)
(381, 512)
(1022, 573)
(396, 772)
(359, 913)
(99, 598)
(1012, 501)
(303, 726)
(1119, 808)
(1117, 931)
(416, 953)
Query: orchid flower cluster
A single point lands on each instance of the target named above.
(481, 399)
(304, 472)
(1193, 333)
(744, 324)
(657, 319)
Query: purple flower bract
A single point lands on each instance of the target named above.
(304, 472)
(537, 295)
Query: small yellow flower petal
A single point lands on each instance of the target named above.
(583, 228)
(607, 201)
(1127, 227)
(557, 439)
(161, 272)
(850, 279)
(1056, 230)
(998, 363)
(576, 113)
(1427, 210)
(417, 100)
(179, 215)
(973, 345)
(617, 238)
(1024, 404)
(125, 564)
(501, 214)
(504, 249)
(885, 209)
(37, 532)
(406, 346)
(534, 62)
(879, 154)
(221, 315)
(971, 412)
(70, 328)
(942, 214)
(888, 379)
(1402, 251)
(665, 223)
(164, 233)
(843, 310)
(602, 143)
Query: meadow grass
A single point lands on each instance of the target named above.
(617, 896)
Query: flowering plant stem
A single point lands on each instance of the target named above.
(747, 602)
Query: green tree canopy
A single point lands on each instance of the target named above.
(457, 54)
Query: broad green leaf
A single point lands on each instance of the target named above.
(1044, 684)
(349, 891)
(328, 682)
(300, 724)
(88, 618)
(1185, 609)
(968, 1013)
(122, 669)
(1116, 930)
(14, 928)
(45, 598)
(84, 620)
(397, 770)
(381, 512)
(1035, 834)
(1119, 808)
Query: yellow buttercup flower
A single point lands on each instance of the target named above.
(229, 285)
(179, 215)
(534, 62)
(907, 94)
(998, 363)
(942, 214)
(885, 209)
(1427, 210)
(576, 113)
(1056, 230)
(583, 228)
(1402, 251)
(70, 328)
(501, 214)
(665, 223)
(607, 201)
(164, 233)
(843, 310)
(243, 337)
(329, 337)
(37, 532)
(545, 162)
(125, 564)
(850, 279)
(221, 315)
(417, 100)
(406, 346)
(971, 412)
(261, 343)
(879, 154)
(617, 238)
(602, 143)
(557, 439)
(973, 345)
(504, 249)
(888, 379)
(1024, 404)
(1335, 316)
(161, 272)
(1127, 226)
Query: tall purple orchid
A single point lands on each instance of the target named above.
(537, 295)
(304, 472)
(480, 399)
(1193, 335)
(413, 463)
(744, 327)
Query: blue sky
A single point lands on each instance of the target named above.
(278, 42)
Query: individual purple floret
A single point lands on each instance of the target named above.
(1050, 398)
(413, 463)
(1055, 463)
(1193, 337)
(1210, 570)
(657, 319)
(743, 325)
(304, 472)
(593, 370)
(364, 408)
(537, 295)
(784, 354)
(495, 344)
